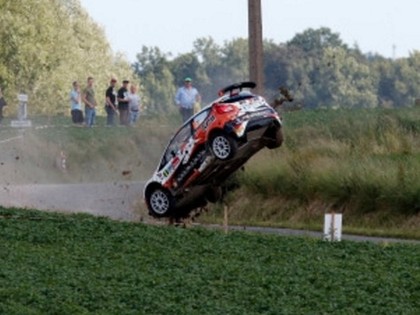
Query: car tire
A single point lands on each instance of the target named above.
(214, 194)
(277, 140)
(160, 202)
(223, 146)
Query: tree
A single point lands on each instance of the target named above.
(153, 68)
(345, 81)
(235, 61)
(47, 44)
(312, 40)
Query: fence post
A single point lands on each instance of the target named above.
(332, 227)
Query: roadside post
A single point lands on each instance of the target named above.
(225, 218)
(332, 227)
(22, 120)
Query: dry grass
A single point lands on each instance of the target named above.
(364, 165)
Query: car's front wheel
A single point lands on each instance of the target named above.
(223, 146)
(160, 202)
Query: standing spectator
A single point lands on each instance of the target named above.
(76, 104)
(134, 104)
(185, 98)
(2, 104)
(88, 98)
(111, 103)
(123, 103)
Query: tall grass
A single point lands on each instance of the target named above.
(364, 163)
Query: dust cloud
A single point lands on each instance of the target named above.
(49, 174)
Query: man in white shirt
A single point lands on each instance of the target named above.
(185, 98)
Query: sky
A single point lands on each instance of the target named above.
(390, 28)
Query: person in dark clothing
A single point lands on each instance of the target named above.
(123, 103)
(111, 103)
(2, 104)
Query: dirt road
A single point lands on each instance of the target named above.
(121, 201)
(118, 200)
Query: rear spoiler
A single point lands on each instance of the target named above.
(237, 86)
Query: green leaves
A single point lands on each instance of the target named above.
(55, 263)
(46, 45)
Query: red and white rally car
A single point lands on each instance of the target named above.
(210, 147)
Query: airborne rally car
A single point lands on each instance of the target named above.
(210, 147)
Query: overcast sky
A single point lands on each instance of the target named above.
(388, 27)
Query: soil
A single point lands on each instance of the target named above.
(35, 175)
(118, 200)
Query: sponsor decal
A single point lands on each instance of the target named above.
(188, 150)
(175, 161)
(169, 168)
(207, 122)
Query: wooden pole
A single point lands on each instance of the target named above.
(255, 44)
(225, 218)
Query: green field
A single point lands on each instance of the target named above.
(78, 264)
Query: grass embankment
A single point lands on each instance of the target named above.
(78, 264)
(362, 163)
(96, 154)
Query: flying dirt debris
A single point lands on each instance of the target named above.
(284, 96)
(209, 148)
(61, 162)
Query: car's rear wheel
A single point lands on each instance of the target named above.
(277, 139)
(160, 202)
(223, 146)
(214, 194)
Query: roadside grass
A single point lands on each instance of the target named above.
(362, 163)
(93, 154)
(79, 264)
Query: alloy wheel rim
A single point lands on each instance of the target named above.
(221, 147)
(159, 202)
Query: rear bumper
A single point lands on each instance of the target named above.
(261, 123)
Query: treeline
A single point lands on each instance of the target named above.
(47, 44)
(319, 69)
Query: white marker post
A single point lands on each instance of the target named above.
(332, 227)
(22, 113)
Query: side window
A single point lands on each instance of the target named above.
(175, 145)
(197, 120)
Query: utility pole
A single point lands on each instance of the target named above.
(255, 44)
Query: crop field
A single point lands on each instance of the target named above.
(78, 264)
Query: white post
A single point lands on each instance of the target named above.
(332, 227)
(22, 113)
(23, 101)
